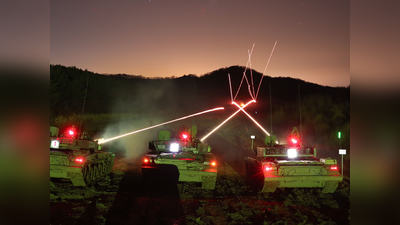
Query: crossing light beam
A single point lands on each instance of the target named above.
(227, 119)
(240, 108)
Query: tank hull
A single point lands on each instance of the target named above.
(185, 160)
(185, 166)
(271, 183)
(281, 172)
(171, 172)
(86, 174)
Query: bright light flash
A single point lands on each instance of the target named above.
(147, 128)
(79, 160)
(252, 118)
(227, 119)
(292, 153)
(174, 147)
(268, 168)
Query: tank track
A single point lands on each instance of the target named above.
(330, 187)
(92, 172)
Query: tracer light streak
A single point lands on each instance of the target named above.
(251, 118)
(227, 119)
(147, 128)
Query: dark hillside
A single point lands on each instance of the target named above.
(324, 110)
(212, 89)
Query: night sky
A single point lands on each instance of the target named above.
(159, 38)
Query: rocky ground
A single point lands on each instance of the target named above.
(128, 200)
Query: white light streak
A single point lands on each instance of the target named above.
(251, 118)
(239, 86)
(227, 119)
(251, 75)
(147, 128)
(244, 73)
(250, 92)
(230, 86)
(265, 68)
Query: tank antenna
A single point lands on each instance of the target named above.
(83, 108)
(194, 100)
(301, 131)
(270, 105)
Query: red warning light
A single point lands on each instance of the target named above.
(294, 141)
(79, 160)
(334, 168)
(184, 136)
(71, 131)
(213, 164)
(268, 168)
(145, 160)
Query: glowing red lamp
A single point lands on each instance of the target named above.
(79, 160)
(268, 168)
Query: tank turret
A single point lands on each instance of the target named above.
(184, 155)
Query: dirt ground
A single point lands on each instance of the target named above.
(128, 200)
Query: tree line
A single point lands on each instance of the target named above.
(324, 110)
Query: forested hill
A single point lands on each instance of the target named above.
(324, 110)
(128, 93)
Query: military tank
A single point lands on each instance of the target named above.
(293, 165)
(78, 158)
(183, 159)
